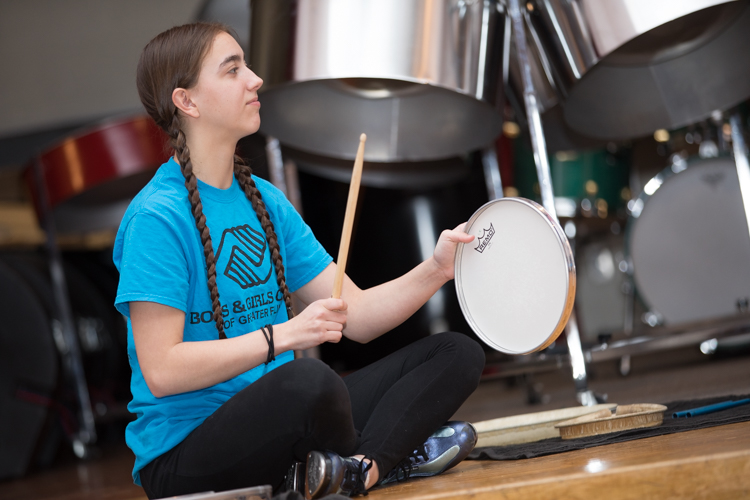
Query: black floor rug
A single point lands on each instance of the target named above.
(670, 425)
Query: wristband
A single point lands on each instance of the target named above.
(268, 334)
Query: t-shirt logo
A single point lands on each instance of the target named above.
(248, 250)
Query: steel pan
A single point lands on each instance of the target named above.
(516, 281)
(629, 67)
(421, 78)
(689, 244)
(390, 175)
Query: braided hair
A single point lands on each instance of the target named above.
(173, 60)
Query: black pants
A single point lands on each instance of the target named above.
(383, 411)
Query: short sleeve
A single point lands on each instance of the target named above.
(305, 256)
(153, 266)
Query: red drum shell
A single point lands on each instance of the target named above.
(101, 155)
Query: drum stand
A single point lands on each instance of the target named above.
(283, 174)
(67, 340)
(578, 363)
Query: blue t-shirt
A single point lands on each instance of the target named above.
(159, 254)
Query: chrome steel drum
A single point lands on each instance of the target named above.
(516, 281)
(421, 78)
(630, 67)
(689, 244)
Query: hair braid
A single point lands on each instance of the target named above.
(179, 143)
(244, 177)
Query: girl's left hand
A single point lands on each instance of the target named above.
(445, 250)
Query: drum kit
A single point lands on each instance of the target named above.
(428, 81)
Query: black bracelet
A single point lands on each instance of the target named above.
(269, 338)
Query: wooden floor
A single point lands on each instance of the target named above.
(709, 463)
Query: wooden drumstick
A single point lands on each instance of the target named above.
(351, 208)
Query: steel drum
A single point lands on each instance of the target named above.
(390, 175)
(629, 67)
(516, 281)
(421, 78)
(688, 241)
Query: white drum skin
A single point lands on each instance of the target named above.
(516, 281)
(688, 242)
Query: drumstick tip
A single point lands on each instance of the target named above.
(363, 138)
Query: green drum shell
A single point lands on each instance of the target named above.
(571, 170)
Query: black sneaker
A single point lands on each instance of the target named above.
(327, 473)
(444, 449)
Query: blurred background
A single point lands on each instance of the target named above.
(634, 112)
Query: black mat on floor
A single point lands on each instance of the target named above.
(670, 425)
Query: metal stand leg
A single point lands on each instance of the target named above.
(629, 319)
(741, 161)
(275, 164)
(424, 223)
(292, 185)
(283, 174)
(492, 173)
(85, 435)
(585, 396)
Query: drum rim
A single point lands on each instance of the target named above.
(570, 276)
(663, 176)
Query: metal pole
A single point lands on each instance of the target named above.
(741, 162)
(578, 362)
(71, 353)
(275, 164)
(424, 223)
(492, 173)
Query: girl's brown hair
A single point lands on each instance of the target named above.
(173, 60)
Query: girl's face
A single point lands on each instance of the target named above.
(226, 94)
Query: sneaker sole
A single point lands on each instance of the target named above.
(441, 464)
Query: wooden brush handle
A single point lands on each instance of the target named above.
(351, 208)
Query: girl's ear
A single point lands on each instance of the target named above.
(181, 100)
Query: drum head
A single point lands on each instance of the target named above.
(516, 281)
(689, 244)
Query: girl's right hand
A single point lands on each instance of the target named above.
(322, 321)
